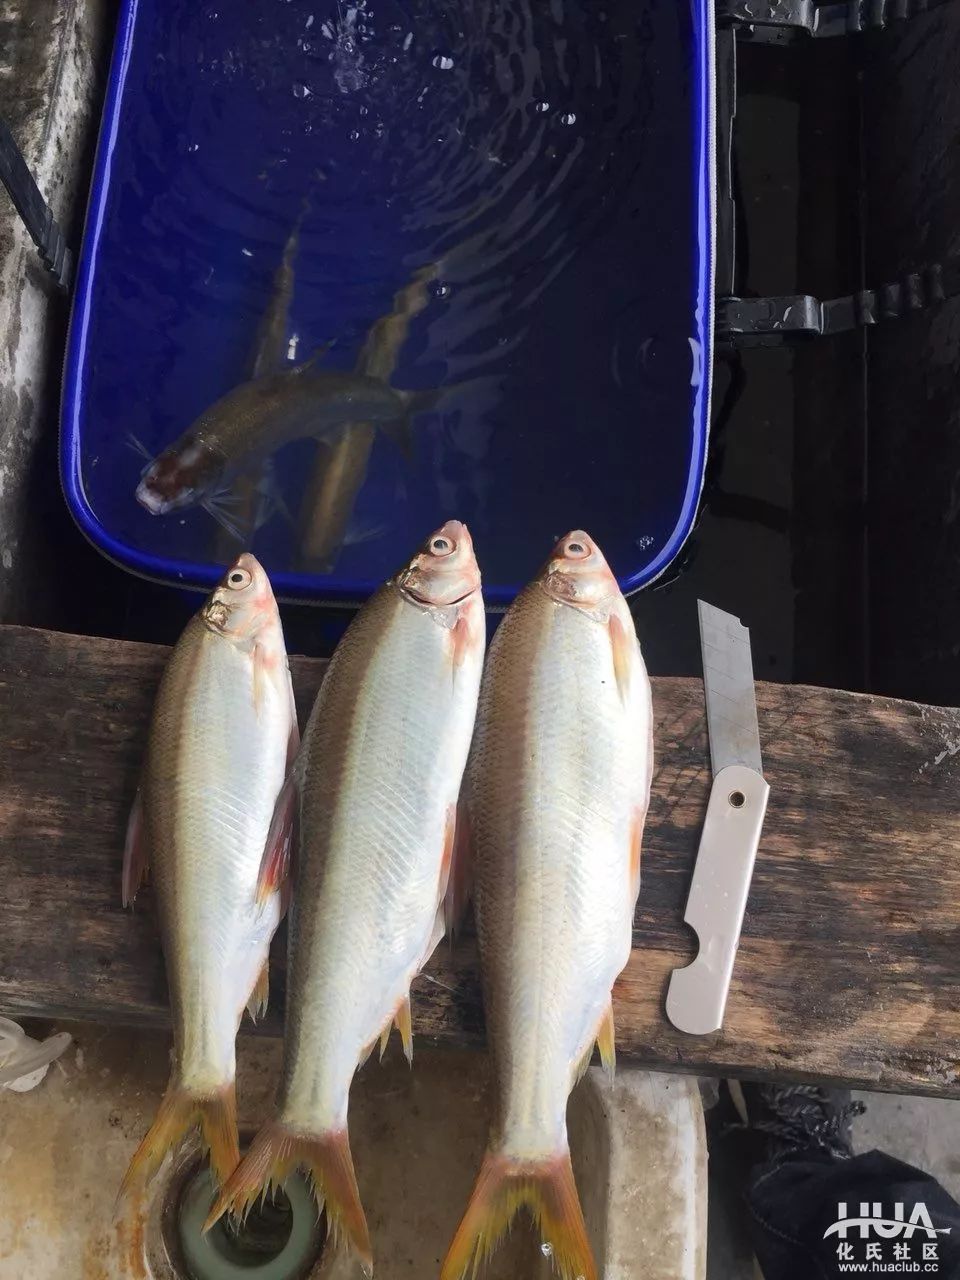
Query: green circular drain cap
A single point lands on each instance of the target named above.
(280, 1239)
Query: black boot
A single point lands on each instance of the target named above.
(812, 1204)
(781, 1122)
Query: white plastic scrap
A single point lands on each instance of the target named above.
(25, 1061)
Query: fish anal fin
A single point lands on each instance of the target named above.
(606, 1041)
(135, 863)
(385, 1036)
(546, 1188)
(580, 1067)
(260, 995)
(403, 1021)
(276, 1152)
(275, 865)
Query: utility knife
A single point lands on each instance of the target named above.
(697, 994)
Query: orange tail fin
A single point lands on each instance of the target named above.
(180, 1110)
(547, 1189)
(276, 1152)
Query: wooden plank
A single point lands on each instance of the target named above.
(849, 967)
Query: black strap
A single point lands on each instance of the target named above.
(763, 320)
(778, 20)
(33, 209)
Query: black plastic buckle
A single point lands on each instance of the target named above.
(768, 321)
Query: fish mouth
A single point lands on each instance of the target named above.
(432, 604)
(151, 501)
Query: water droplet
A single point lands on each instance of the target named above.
(443, 62)
(441, 290)
(364, 110)
(247, 253)
(546, 1249)
(194, 146)
(541, 107)
(354, 135)
(300, 90)
(568, 117)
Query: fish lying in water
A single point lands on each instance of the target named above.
(341, 465)
(377, 781)
(251, 422)
(223, 732)
(556, 794)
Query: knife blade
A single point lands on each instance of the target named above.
(729, 691)
(697, 994)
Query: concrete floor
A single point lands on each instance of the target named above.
(418, 1136)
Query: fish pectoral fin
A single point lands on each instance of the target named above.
(139, 447)
(293, 741)
(276, 1152)
(623, 646)
(269, 499)
(260, 995)
(546, 1188)
(400, 432)
(214, 507)
(458, 883)
(278, 851)
(636, 843)
(135, 863)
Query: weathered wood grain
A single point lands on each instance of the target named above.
(849, 966)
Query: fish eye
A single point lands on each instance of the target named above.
(237, 579)
(576, 549)
(441, 546)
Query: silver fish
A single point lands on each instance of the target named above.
(223, 732)
(377, 779)
(256, 418)
(556, 794)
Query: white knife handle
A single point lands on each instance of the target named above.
(697, 995)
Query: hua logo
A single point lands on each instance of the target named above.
(873, 1221)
